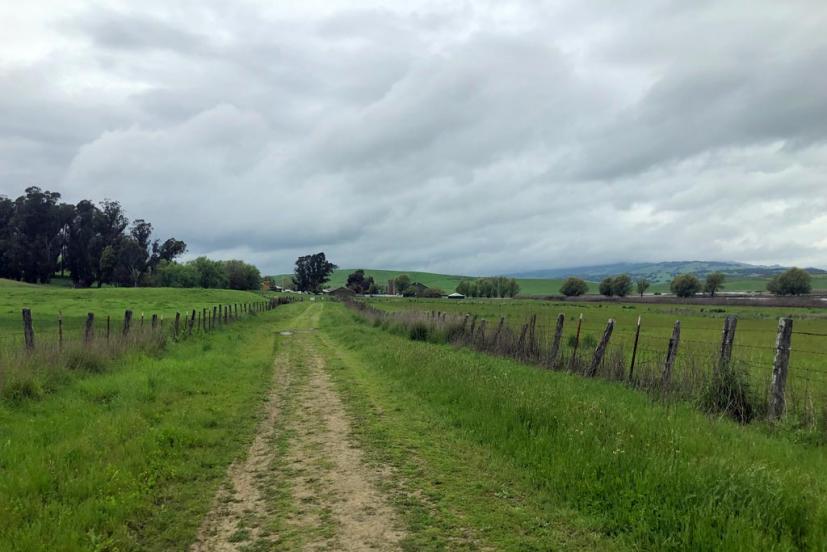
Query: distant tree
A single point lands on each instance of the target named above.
(714, 282)
(621, 285)
(464, 287)
(311, 272)
(642, 285)
(211, 274)
(176, 275)
(80, 259)
(685, 285)
(607, 286)
(402, 282)
(794, 281)
(359, 283)
(241, 275)
(574, 287)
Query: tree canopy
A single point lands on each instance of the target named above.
(40, 236)
(312, 272)
(574, 287)
(685, 285)
(794, 281)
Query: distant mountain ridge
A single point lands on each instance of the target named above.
(663, 271)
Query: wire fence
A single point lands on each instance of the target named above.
(746, 372)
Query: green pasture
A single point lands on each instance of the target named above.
(46, 302)
(540, 460)
(701, 328)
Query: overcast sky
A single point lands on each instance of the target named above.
(463, 137)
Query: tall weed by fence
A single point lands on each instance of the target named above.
(709, 374)
(35, 364)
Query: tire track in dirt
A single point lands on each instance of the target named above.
(332, 472)
(239, 503)
(334, 500)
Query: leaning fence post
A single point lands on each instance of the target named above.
(498, 332)
(60, 331)
(576, 342)
(28, 330)
(634, 349)
(671, 353)
(175, 326)
(727, 338)
(192, 323)
(127, 321)
(778, 402)
(555, 342)
(89, 331)
(600, 351)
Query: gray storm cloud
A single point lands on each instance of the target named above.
(476, 137)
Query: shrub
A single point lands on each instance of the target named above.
(574, 287)
(607, 286)
(792, 282)
(418, 331)
(728, 392)
(685, 285)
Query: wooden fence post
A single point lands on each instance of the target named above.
(481, 339)
(60, 331)
(600, 351)
(498, 332)
(783, 344)
(521, 341)
(192, 323)
(532, 337)
(555, 342)
(727, 338)
(203, 320)
(28, 330)
(142, 322)
(108, 327)
(671, 353)
(175, 326)
(127, 321)
(212, 320)
(634, 350)
(576, 342)
(89, 331)
(226, 313)
(154, 324)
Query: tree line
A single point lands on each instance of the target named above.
(96, 244)
(497, 286)
(794, 281)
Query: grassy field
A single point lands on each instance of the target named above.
(130, 459)
(535, 460)
(477, 452)
(537, 286)
(47, 301)
(700, 333)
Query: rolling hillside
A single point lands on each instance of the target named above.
(550, 285)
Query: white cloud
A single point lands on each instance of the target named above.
(474, 137)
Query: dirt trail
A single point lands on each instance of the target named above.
(333, 500)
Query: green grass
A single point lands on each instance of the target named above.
(524, 457)
(47, 301)
(130, 459)
(701, 328)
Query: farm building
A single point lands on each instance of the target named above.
(456, 296)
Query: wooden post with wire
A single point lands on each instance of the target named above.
(576, 343)
(634, 350)
(600, 351)
(555, 341)
(780, 368)
(671, 354)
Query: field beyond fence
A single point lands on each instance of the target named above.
(743, 364)
(33, 363)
